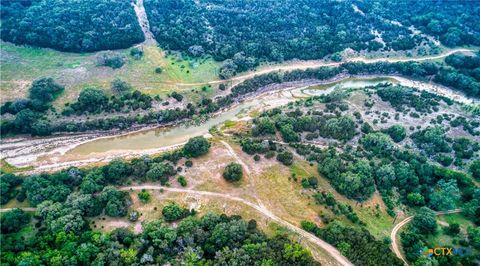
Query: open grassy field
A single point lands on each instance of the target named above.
(20, 65)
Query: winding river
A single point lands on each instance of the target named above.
(76, 150)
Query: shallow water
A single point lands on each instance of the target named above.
(165, 137)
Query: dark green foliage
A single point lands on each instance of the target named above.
(310, 182)
(160, 172)
(432, 140)
(445, 196)
(263, 126)
(452, 22)
(91, 100)
(196, 146)
(55, 187)
(377, 143)
(182, 181)
(452, 229)
(116, 171)
(401, 97)
(252, 146)
(74, 26)
(177, 96)
(285, 157)
(43, 91)
(172, 212)
(12, 221)
(396, 132)
(8, 183)
(342, 128)
(353, 180)
(119, 86)
(116, 202)
(424, 222)
(233, 172)
(288, 134)
(475, 169)
(110, 59)
(136, 52)
(262, 31)
(357, 244)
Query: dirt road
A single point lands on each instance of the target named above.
(27, 209)
(393, 234)
(304, 64)
(336, 255)
(313, 239)
(143, 21)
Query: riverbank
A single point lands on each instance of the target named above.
(58, 152)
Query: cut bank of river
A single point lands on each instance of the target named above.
(93, 149)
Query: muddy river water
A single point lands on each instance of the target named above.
(86, 149)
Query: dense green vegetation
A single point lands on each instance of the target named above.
(423, 227)
(454, 23)
(74, 26)
(401, 174)
(210, 240)
(243, 32)
(357, 244)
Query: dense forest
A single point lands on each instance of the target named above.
(454, 23)
(272, 30)
(69, 25)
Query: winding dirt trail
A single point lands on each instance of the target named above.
(393, 234)
(313, 239)
(304, 64)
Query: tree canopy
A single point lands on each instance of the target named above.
(69, 25)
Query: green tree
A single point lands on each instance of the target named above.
(196, 147)
(119, 86)
(144, 196)
(415, 199)
(285, 157)
(475, 169)
(172, 212)
(396, 132)
(425, 221)
(446, 195)
(14, 220)
(160, 172)
(233, 172)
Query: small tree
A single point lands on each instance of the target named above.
(12, 221)
(475, 169)
(182, 181)
(119, 86)
(173, 212)
(196, 147)
(233, 172)
(144, 196)
(425, 221)
(285, 157)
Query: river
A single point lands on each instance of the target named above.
(85, 149)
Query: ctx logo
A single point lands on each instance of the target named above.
(429, 252)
